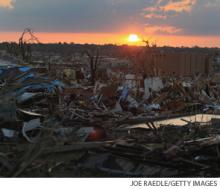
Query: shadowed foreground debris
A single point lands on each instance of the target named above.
(50, 129)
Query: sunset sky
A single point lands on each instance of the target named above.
(166, 22)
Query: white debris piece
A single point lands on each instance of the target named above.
(132, 102)
(117, 108)
(31, 126)
(8, 133)
(151, 107)
(25, 96)
(151, 85)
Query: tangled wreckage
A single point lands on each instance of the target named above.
(52, 129)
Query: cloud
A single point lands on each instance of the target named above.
(163, 9)
(6, 4)
(74, 15)
(179, 5)
(162, 30)
(179, 17)
(212, 4)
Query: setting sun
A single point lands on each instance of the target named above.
(133, 38)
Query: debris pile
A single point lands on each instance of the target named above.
(180, 96)
(50, 129)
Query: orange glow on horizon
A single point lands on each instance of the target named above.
(114, 38)
(96, 38)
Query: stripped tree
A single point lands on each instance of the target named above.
(94, 62)
(144, 59)
(26, 39)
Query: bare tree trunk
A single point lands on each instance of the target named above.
(94, 62)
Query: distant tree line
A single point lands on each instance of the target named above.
(109, 49)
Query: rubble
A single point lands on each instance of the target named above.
(52, 129)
